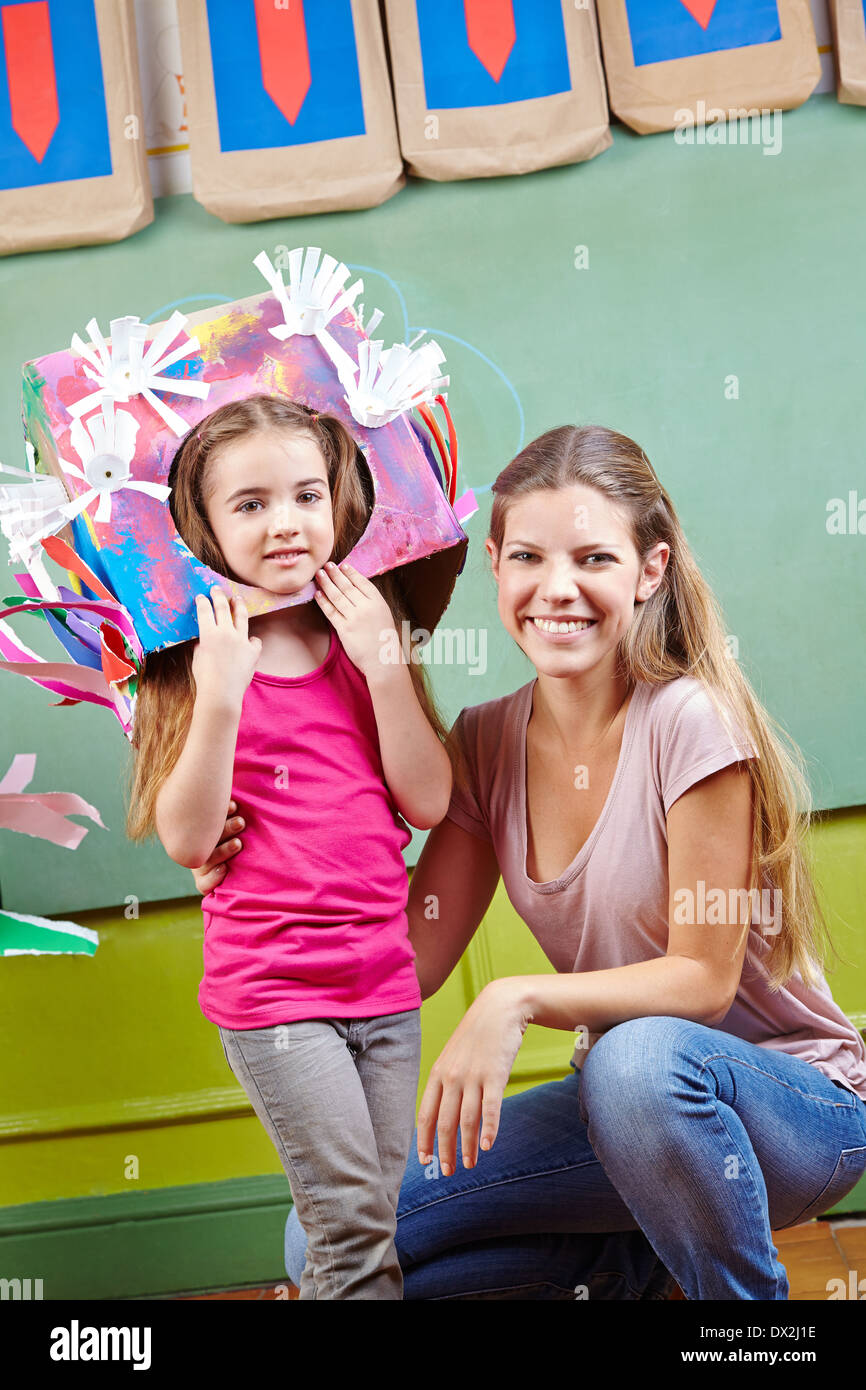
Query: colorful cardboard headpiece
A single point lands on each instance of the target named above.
(104, 420)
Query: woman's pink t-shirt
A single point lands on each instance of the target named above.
(310, 920)
(609, 907)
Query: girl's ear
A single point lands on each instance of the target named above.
(490, 547)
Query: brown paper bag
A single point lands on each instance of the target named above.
(848, 18)
(469, 112)
(73, 162)
(746, 72)
(290, 108)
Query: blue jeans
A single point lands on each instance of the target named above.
(337, 1097)
(677, 1150)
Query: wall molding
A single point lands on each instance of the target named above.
(143, 1112)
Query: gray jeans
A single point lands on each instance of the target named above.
(337, 1097)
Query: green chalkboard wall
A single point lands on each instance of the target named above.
(700, 264)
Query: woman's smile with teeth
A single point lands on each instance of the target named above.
(562, 626)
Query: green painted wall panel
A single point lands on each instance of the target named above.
(703, 262)
(120, 1083)
(179, 1239)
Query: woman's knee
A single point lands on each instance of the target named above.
(634, 1059)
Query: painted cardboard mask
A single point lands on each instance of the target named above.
(104, 420)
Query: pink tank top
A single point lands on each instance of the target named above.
(310, 920)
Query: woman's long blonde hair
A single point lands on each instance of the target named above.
(679, 631)
(165, 694)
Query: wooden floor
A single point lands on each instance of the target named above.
(812, 1254)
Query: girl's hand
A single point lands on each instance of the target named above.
(359, 613)
(468, 1079)
(213, 871)
(225, 656)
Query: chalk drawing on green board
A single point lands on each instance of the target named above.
(408, 330)
(439, 333)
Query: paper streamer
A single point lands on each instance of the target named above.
(97, 633)
(20, 774)
(465, 506)
(41, 814)
(21, 935)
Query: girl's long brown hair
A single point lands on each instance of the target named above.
(679, 631)
(166, 689)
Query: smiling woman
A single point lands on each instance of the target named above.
(636, 766)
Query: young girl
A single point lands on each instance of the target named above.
(308, 971)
